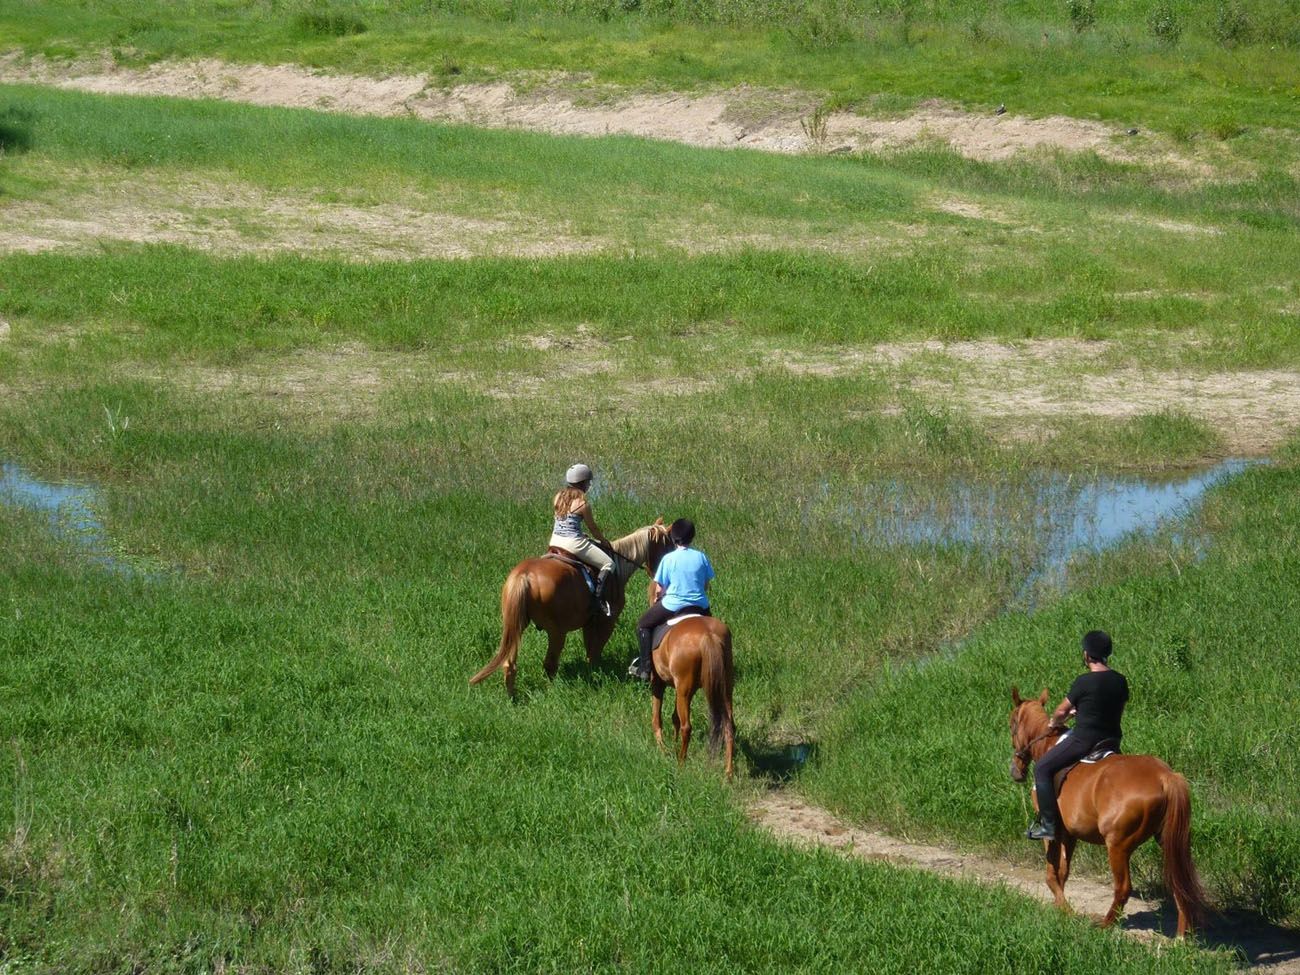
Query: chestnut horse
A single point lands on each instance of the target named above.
(1120, 803)
(694, 654)
(553, 596)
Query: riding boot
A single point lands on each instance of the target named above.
(1045, 828)
(640, 668)
(602, 583)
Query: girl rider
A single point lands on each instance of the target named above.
(681, 586)
(572, 511)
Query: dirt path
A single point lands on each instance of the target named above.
(750, 118)
(1266, 948)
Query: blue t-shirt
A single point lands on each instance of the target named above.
(683, 573)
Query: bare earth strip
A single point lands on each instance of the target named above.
(770, 121)
(1022, 387)
(234, 218)
(1019, 389)
(790, 818)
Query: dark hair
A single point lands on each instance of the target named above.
(1097, 645)
(682, 531)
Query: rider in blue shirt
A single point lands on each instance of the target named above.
(681, 585)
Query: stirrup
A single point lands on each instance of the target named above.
(1039, 830)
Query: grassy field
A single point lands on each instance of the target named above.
(1231, 66)
(255, 749)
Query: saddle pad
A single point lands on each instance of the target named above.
(559, 555)
(661, 630)
(1094, 757)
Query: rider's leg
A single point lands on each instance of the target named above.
(585, 550)
(1063, 753)
(653, 617)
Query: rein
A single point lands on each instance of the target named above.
(1025, 753)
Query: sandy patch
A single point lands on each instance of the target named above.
(792, 819)
(1252, 410)
(748, 118)
(233, 218)
(4, 330)
(1025, 387)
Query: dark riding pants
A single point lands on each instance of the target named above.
(1063, 753)
(656, 615)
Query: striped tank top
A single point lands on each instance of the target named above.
(570, 526)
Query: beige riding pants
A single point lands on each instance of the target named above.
(586, 550)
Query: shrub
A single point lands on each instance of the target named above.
(330, 24)
(15, 130)
(1165, 24)
(1083, 14)
(1231, 25)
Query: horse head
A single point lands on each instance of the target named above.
(1028, 726)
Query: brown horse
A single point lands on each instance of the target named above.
(552, 595)
(1119, 802)
(695, 653)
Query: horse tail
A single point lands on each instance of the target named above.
(1175, 839)
(514, 620)
(717, 677)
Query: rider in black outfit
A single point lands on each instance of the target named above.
(1097, 700)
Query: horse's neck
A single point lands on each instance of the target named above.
(1045, 740)
(633, 550)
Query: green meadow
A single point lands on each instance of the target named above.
(246, 743)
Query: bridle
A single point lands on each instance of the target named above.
(1025, 753)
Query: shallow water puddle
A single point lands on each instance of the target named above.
(69, 507)
(1045, 520)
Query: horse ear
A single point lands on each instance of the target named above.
(659, 522)
(1015, 695)
(1042, 698)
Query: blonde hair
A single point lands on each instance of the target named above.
(564, 500)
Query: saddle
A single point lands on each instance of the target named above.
(662, 629)
(588, 575)
(1105, 748)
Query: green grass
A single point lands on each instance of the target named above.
(1083, 248)
(260, 753)
(850, 52)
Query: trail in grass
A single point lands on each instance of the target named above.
(765, 120)
(790, 817)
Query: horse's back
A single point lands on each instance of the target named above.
(697, 632)
(1118, 792)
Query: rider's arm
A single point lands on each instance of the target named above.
(590, 521)
(1063, 711)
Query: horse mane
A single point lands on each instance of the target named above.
(636, 546)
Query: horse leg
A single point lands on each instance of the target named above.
(1058, 870)
(594, 637)
(554, 647)
(685, 691)
(1065, 854)
(1119, 855)
(657, 713)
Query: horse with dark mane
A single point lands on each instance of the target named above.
(1119, 802)
(550, 593)
(695, 654)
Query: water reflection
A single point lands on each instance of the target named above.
(1045, 519)
(69, 507)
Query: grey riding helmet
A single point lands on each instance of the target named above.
(577, 474)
